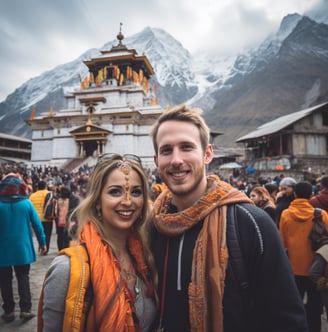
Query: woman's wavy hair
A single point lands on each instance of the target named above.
(87, 210)
(266, 198)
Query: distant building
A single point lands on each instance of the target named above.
(297, 141)
(14, 149)
(111, 112)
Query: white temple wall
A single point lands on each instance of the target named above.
(41, 150)
(64, 147)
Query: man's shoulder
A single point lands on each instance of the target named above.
(248, 211)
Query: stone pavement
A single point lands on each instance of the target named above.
(37, 273)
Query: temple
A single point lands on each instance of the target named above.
(111, 112)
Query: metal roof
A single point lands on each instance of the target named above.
(279, 123)
(15, 138)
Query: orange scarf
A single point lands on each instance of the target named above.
(210, 255)
(113, 302)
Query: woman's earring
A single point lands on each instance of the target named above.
(99, 214)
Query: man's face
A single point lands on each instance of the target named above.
(286, 190)
(180, 158)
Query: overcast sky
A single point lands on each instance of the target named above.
(37, 35)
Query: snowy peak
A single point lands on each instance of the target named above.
(170, 60)
(287, 71)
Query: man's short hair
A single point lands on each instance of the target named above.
(183, 113)
(324, 181)
(42, 185)
(303, 189)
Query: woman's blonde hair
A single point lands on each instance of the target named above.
(87, 210)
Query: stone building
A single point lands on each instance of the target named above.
(14, 149)
(111, 112)
(297, 142)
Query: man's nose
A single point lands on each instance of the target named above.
(176, 157)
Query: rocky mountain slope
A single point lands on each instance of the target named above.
(286, 73)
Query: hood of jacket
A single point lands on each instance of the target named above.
(301, 210)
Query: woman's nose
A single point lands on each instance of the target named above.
(126, 198)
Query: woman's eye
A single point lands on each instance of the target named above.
(136, 192)
(115, 192)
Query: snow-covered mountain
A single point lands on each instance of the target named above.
(287, 72)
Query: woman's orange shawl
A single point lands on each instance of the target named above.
(113, 302)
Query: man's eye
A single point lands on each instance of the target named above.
(186, 148)
(165, 151)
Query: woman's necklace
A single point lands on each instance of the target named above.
(128, 272)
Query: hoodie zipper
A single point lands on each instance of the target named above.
(179, 287)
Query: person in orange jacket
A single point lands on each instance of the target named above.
(295, 226)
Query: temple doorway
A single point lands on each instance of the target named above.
(90, 148)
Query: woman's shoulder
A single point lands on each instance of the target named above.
(60, 267)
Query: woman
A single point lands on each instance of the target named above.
(112, 228)
(19, 220)
(61, 220)
(261, 197)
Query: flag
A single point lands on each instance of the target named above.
(141, 75)
(85, 83)
(92, 78)
(135, 77)
(32, 114)
(121, 79)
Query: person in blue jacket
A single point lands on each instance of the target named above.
(18, 218)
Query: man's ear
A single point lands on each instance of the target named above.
(209, 154)
(156, 160)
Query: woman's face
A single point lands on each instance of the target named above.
(122, 199)
(255, 197)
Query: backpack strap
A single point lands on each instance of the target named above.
(317, 214)
(79, 292)
(237, 259)
(235, 255)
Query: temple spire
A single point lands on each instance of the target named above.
(119, 37)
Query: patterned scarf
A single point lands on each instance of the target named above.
(113, 301)
(12, 188)
(210, 255)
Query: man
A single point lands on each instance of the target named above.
(321, 199)
(284, 196)
(38, 199)
(199, 287)
(18, 218)
(295, 225)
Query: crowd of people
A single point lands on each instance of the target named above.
(175, 250)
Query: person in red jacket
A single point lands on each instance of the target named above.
(321, 199)
(295, 226)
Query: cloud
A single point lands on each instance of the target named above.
(37, 35)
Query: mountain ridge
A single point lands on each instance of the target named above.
(285, 73)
